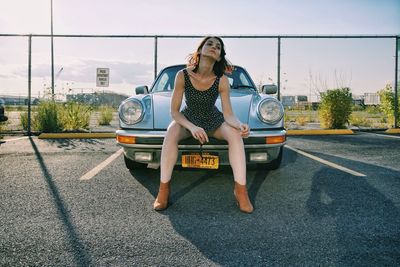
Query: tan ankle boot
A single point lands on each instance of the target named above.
(242, 198)
(161, 202)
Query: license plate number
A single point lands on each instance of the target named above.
(206, 160)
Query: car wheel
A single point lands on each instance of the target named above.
(273, 165)
(133, 165)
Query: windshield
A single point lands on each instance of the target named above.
(239, 79)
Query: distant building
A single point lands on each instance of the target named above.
(18, 100)
(97, 99)
(298, 101)
(372, 99)
(301, 98)
(288, 101)
(358, 100)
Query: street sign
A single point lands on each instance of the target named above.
(102, 77)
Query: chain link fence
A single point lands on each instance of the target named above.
(99, 71)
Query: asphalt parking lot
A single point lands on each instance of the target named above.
(335, 201)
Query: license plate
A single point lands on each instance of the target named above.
(206, 160)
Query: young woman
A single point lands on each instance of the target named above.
(201, 83)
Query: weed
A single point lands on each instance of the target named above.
(335, 108)
(301, 120)
(106, 115)
(48, 117)
(359, 121)
(75, 116)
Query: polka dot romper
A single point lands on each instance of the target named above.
(200, 105)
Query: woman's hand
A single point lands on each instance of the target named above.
(244, 130)
(198, 133)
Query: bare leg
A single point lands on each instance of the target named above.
(237, 157)
(169, 152)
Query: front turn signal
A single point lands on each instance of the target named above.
(126, 139)
(275, 139)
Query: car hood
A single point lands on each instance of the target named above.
(240, 100)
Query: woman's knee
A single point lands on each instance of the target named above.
(231, 135)
(235, 137)
(174, 132)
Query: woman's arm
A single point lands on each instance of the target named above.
(229, 116)
(176, 102)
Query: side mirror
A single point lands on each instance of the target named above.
(140, 90)
(269, 89)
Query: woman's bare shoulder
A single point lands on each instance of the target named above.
(223, 83)
(180, 73)
(224, 80)
(179, 78)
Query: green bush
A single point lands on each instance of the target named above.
(23, 118)
(106, 115)
(75, 116)
(335, 108)
(51, 117)
(47, 118)
(24, 121)
(386, 96)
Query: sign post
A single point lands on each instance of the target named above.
(102, 77)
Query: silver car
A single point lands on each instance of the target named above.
(145, 117)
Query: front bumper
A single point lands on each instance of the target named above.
(262, 146)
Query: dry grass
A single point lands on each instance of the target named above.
(369, 118)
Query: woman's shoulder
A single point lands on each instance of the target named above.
(224, 79)
(223, 83)
(180, 76)
(182, 71)
(185, 71)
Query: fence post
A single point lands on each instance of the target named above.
(52, 53)
(279, 68)
(29, 83)
(155, 56)
(396, 86)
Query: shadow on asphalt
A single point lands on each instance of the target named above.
(71, 144)
(149, 178)
(80, 253)
(366, 221)
(283, 230)
(202, 210)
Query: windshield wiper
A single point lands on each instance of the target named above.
(242, 86)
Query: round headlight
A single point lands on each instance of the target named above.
(131, 111)
(270, 111)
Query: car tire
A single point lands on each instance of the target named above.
(273, 165)
(134, 165)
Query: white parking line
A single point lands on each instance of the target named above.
(90, 174)
(15, 139)
(385, 135)
(330, 164)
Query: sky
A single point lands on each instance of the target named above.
(308, 65)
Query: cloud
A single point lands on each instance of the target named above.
(122, 72)
(84, 71)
